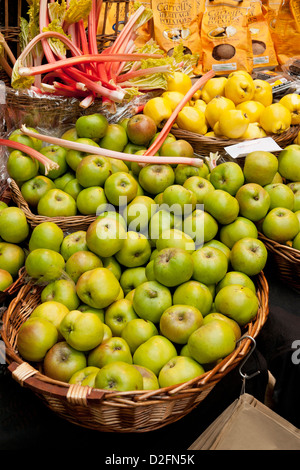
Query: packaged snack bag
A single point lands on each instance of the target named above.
(264, 55)
(177, 21)
(286, 34)
(226, 39)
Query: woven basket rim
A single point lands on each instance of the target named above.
(285, 251)
(45, 385)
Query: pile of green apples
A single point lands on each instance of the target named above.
(159, 289)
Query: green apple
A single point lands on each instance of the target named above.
(80, 262)
(57, 154)
(154, 179)
(173, 266)
(232, 323)
(296, 242)
(97, 311)
(132, 149)
(184, 351)
(52, 311)
(176, 148)
(63, 291)
(70, 134)
(184, 172)
(160, 221)
(228, 176)
(91, 200)
(175, 238)
(74, 157)
(98, 287)
(154, 353)
(295, 187)
(132, 277)
(62, 180)
(211, 342)
(254, 201)
(179, 199)
(62, 361)
(105, 236)
(120, 188)
(137, 331)
(280, 224)
(73, 242)
(222, 206)
(289, 162)
(56, 203)
(115, 138)
(111, 350)
(135, 251)
(93, 170)
(14, 227)
(260, 167)
(112, 264)
(239, 228)
(179, 369)
(236, 277)
(150, 300)
(249, 256)
(46, 235)
(35, 337)
(6, 279)
(118, 314)
(21, 167)
(3, 205)
(81, 375)
(281, 195)
(210, 265)
(221, 246)
(200, 186)
(237, 302)
(18, 136)
(44, 265)
(119, 376)
(200, 226)
(73, 188)
(141, 128)
(138, 213)
(91, 126)
(178, 322)
(113, 214)
(150, 381)
(12, 258)
(33, 189)
(81, 330)
(196, 294)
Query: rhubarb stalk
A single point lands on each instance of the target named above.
(89, 149)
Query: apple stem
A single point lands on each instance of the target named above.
(89, 149)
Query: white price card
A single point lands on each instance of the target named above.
(241, 149)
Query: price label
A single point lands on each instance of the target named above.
(266, 144)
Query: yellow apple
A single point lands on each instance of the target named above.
(292, 102)
(213, 87)
(263, 92)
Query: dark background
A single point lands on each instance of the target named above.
(26, 423)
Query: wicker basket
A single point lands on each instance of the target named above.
(287, 260)
(71, 223)
(204, 145)
(102, 410)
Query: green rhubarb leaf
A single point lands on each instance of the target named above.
(77, 10)
(18, 82)
(144, 17)
(57, 46)
(57, 11)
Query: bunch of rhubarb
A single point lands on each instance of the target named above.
(59, 54)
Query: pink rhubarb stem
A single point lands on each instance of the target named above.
(168, 125)
(142, 72)
(110, 153)
(73, 61)
(49, 164)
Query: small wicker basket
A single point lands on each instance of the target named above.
(203, 145)
(287, 260)
(122, 412)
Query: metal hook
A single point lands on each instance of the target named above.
(243, 375)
